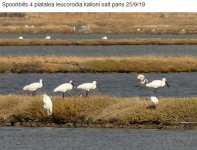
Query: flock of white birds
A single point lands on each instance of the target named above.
(48, 37)
(47, 103)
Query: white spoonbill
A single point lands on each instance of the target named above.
(47, 104)
(154, 101)
(48, 37)
(64, 87)
(157, 83)
(141, 78)
(88, 86)
(20, 37)
(33, 87)
(104, 38)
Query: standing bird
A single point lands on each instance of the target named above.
(157, 83)
(20, 38)
(47, 104)
(48, 37)
(141, 78)
(88, 86)
(33, 87)
(154, 101)
(104, 38)
(64, 87)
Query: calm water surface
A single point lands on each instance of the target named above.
(96, 139)
(115, 84)
(109, 50)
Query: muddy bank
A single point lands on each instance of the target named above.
(156, 124)
(102, 124)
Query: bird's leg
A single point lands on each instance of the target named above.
(70, 93)
(48, 113)
(155, 91)
(33, 93)
(86, 93)
(63, 95)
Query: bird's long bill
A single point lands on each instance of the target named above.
(167, 84)
(99, 88)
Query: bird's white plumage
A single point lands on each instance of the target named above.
(140, 77)
(154, 100)
(64, 87)
(20, 38)
(157, 83)
(33, 86)
(48, 37)
(87, 86)
(47, 104)
(104, 38)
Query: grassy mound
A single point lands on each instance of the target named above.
(53, 64)
(97, 110)
(134, 41)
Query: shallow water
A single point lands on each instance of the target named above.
(13, 138)
(91, 36)
(115, 84)
(109, 50)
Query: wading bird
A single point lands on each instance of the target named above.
(156, 84)
(141, 78)
(33, 87)
(104, 38)
(47, 104)
(88, 86)
(20, 37)
(48, 37)
(64, 87)
(154, 101)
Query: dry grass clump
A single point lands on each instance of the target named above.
(134, 41)
(51, 64)
(20, 107)
(98, 108)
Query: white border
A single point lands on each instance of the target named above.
(143, 6)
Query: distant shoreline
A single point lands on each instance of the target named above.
(147, 23)
(92, 42)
